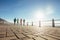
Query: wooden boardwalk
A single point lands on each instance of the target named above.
(11, 32)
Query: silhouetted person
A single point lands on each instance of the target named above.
(24, 22)
(14, 21)
(21, 22)
(17, 21)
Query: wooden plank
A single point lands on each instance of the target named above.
(31, 36)
(20, 35)
(38, 38)
(11, 38)
(47, 37)
(53, 36)
(2, 35)
(25, 38)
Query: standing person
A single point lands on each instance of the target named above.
(14, 21)
(24, 22)
(21, 22)
(17, 21)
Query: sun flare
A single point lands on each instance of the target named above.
(39, 15)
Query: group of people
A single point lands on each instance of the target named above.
(17, 21)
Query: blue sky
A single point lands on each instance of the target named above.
(29, 9)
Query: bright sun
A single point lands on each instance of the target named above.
(39, 15)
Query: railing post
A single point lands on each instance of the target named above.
(6, 32)
(27, 23)
(53, 24)
(39, 23)
(32, 23)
